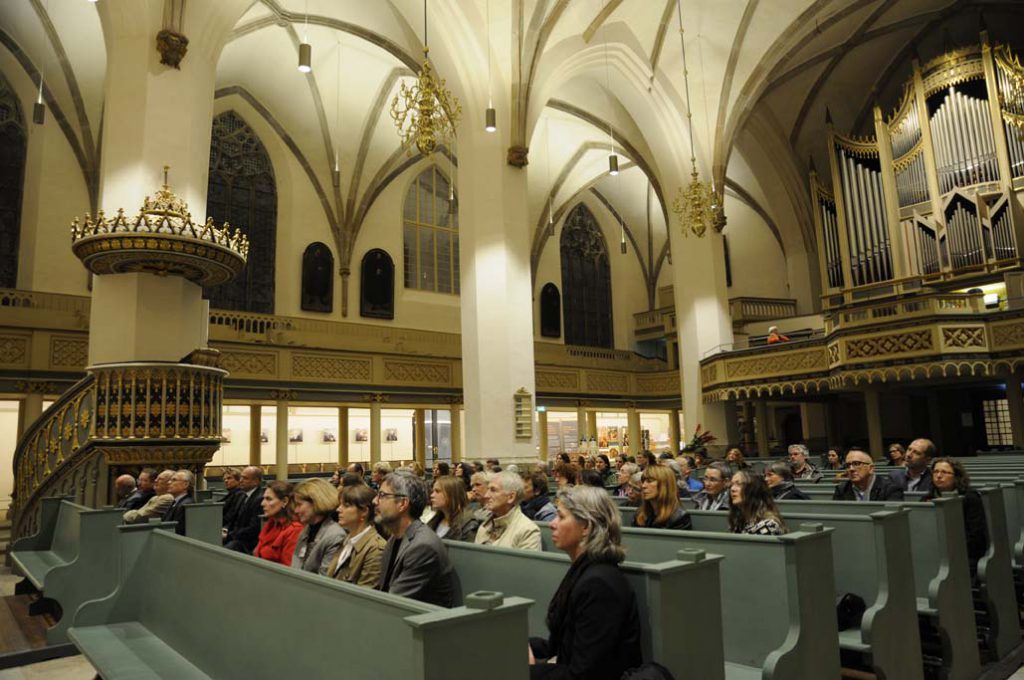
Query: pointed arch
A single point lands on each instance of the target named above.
(242, 191)
(430, 230)
(586, 281)
(13, 153)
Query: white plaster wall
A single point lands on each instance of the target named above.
(758, 265)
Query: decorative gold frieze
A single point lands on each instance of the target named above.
(776, 363)
(284, 395)
(417, 372)
(964, 337)
(13, 350)
(616, 383)
(663, 383)
(325, 367)
(709, 374)
(833, 354)
(889, 344)
(1008, 335)
(546, 379)
(249, 363)
(68, 352)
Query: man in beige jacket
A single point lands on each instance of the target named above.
(156, 505)
(508, 527)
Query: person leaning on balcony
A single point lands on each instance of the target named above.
(775, 336)
(156, 505)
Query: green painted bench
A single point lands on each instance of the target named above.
(995, 577)
(941, 575)
(777, 599)
(203, 522)
(55, 544)
(667, 594)
(184, 609)
(871, 558)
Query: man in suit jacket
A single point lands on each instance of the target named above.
(864, 484)
(181, 488)
(232, 501)
(415, 563)
(243, 533)
(917, 475)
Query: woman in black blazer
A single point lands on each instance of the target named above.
(593, 620)
(949, 477)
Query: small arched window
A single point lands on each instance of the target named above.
(13, 150)
(377, 285)
(242, 192)
(431, 234)
(550, 311)
(317, 279)
(586, 281)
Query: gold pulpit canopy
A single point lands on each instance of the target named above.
(162, 239)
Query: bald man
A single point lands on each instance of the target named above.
(243, 531)
(864, 484)
(124, 488)
(917, 475)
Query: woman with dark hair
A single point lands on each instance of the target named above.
(604, 467)
(833, 461)
(950, 478)
(646, 459)
(441, 469)
(659, 507)
(752, 509)
(452, 517)
(563, 458)
(566, 474)
(281, 531)
(358, 561)
(465, 473)
(593, 619)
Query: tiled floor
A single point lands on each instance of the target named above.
(68, 668)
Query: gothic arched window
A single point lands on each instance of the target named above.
(243, 193)
(431, 234)
(550, 311)
(13, 149)
(586, 281)
(317, 278)
(377, 285)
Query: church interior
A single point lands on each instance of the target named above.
(296, 235)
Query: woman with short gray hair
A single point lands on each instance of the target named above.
(593, 620)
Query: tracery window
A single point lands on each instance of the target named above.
(317, 278)
(243, 193)
(586, 281)
(431, 235)
(13, 150)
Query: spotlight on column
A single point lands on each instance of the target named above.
(490, 120)
(305, 57)
(38, 113)
(613, 165)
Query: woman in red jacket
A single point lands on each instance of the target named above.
(281, 531)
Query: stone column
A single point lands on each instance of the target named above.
(419, 437)
(813, 421)
(634, 428)
(281, 450)
(591, 424)
(542, 433)
(456, 432)
(255, 427)
(29, 410)
(761, 426)
(375, 433)
(874, 417)
(343, 436)
(497, 290)
(675, 436)
(582, 422)
(1015, 401)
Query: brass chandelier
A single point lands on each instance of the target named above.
(697, 203)
(427, 111)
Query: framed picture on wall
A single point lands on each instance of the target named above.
(328, 437)
(295, 435)
(361, 435)
(391, 434)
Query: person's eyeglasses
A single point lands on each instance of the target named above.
(857, 464)
(385, 494)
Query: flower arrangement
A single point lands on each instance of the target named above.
(700, 439)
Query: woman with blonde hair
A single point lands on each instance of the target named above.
(659, 505)
(316, 502)
(452, 517)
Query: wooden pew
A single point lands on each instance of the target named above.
(203, 522)
(183, 608)
(54, 544)
(995, 577)
(667, 595)
(871, 558)
(778, 601)
(941, 575)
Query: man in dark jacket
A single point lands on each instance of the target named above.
(779, 477)
(244, 531)
(233, 500)
(864, 484)
(181, 488)
(917, 475)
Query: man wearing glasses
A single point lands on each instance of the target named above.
(864, 484)
(415, 563)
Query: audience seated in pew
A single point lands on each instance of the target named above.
(686, 467)
(358, 561)
(356, 469)
(779, 477)
(801, 468)
(452, 518)
(180, 488)
(593, 619)
(833, 461)
(916, 475)
(124, 487)
(281, 530)
(537, 505)
(591, 477)
(950, 478)
(897, 455)
(659, 507)
(566, 474)
(155, 506)
(715, 495)
(625, 473)
(243, 533)
(414, 563)
(378, 472)
(634, 493)
(736, 460)
(752, 509)
(232, 500)
(507, 526)
(864, 484)
(322, 536)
